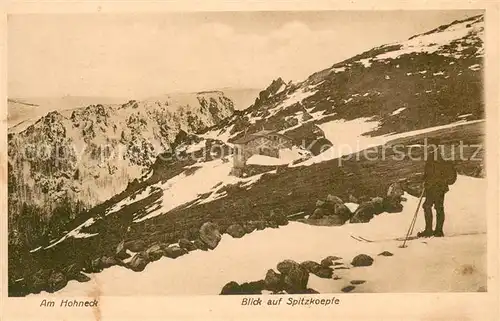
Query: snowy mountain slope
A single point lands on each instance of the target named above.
(149, 210)
(394, 93)
(89, 154)
(430, 79)
(430, 265)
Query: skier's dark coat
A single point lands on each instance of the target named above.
(438, 174)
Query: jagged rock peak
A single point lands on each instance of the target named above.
(276, 86)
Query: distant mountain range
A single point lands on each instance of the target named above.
(24, 111)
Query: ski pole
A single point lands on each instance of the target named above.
(413, 221)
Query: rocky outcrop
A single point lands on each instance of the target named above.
(210, 235)
(138, 262)
(267, 93)
(331, 211)
(295, 276)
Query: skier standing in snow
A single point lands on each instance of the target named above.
(438, 174)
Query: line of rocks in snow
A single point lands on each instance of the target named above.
(293, 277)
(136, 254)
(333, 210)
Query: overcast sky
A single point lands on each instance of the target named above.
(135, 56)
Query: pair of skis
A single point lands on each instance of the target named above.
(361, 239)
(414, 237)
(402, 238)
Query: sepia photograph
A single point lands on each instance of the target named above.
(264, 153)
